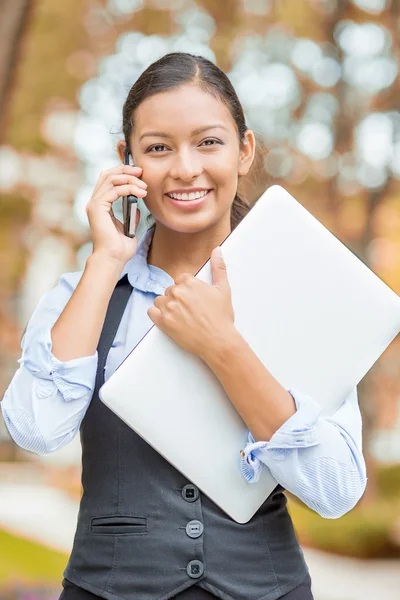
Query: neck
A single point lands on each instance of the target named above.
(175, 252)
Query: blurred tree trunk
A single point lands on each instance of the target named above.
(14, 17)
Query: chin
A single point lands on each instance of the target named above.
(195, 223)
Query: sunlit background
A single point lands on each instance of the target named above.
(318, 80)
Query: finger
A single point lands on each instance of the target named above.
(111, 196)
(168, 290)
(159, 302)
(185, 278)
(155, 315)
(117, 191)
(121, 179)
(118, 170)
(218, 270)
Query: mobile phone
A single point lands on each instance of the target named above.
(129, 206)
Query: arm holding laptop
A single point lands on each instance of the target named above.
(318, 459)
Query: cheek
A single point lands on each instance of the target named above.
(224, 170)
(152, 175)
(154, 179)
(151, 201)
(227, 180)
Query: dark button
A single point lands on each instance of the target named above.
(195, 569)
(194, 529)
(190, 493)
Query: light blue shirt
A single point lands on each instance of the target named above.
(318, 459)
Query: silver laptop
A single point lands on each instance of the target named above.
(314, 314)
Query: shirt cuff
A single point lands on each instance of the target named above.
(27, 435)
(73, 378)
(299, 431)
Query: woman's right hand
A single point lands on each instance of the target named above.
(107, 231)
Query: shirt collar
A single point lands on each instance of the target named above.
(144, 277)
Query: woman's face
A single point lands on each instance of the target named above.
(186, 142)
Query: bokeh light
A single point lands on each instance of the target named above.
(372, 6)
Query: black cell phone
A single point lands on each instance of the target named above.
(129, 206)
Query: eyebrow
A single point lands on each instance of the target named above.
(194, 132)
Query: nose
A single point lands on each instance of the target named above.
(186, 166)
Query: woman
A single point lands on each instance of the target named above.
(143, 531)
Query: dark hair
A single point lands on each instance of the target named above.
(174, 70)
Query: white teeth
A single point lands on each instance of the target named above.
(191, 196)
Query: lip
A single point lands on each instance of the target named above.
(188, 190)
(188, 204)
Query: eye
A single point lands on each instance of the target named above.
(211, 140)
(156, 146)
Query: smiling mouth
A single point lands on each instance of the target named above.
(189, 197)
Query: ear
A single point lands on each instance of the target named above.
(121, 145)
(247, 152)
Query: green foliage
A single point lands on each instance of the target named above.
(364, 532)
(388, 482)
(23, 561)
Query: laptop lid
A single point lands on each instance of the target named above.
(315, 315)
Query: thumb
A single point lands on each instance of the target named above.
(218, 270)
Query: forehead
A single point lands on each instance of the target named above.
(180, 110)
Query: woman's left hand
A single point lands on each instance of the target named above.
(197, 316)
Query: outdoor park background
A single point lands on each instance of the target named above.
(319, 83)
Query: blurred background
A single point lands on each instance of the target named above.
(319, 83)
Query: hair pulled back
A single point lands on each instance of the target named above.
(174, 70)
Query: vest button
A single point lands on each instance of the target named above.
(195, 569)
(190, 493)
(194, 529)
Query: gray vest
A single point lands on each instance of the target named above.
(146, 533)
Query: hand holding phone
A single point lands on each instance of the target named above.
(129, 206)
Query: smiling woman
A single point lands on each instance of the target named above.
(211, 135)
(143, 530)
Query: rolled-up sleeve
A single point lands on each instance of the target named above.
(73, 378)
(318, 459)
(47, 398)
